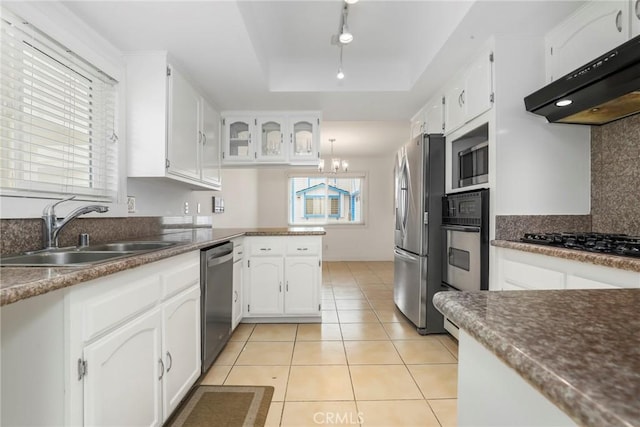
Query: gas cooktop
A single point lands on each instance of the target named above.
(614, 244)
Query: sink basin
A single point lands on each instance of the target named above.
(128, 246)
(62, 258)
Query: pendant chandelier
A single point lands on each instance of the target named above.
(336, 162)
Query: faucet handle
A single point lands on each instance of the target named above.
(50, 209)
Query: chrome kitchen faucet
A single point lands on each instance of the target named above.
(52, 225)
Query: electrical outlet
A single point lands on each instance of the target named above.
(186, 207)
(131, 204)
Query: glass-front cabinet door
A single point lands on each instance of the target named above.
(304, 138)
(271, 131)
(238, 139)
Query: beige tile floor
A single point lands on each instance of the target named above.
(365, 364)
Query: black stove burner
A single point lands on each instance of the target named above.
(616, 244)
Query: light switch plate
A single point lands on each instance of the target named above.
(131, 204)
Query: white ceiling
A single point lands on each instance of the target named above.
(277, 55)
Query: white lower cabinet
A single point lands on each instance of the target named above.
(283, 279)
(265, 286)
(521, 270)
(238, 275)
(301, 285)
(122, 385)
(180, 347)
(133, 343)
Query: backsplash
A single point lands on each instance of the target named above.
(615, 189)
(20, 235)
(512, 227)
(615, 177)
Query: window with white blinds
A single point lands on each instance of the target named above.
(57, 119)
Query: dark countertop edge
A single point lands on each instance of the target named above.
(605, 260)
(75, 275)
(546, 382)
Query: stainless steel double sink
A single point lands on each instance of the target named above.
(82, 256)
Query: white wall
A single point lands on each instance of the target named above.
(165, 197)
(372, 241)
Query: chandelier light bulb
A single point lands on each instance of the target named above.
(351, 1)
(340, 74)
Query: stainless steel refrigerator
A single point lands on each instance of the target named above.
(419, 187)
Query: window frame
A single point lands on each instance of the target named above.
(104, 183)
(364, 176)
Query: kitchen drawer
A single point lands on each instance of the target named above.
(267, 247)
(182, 271)
(238, 252)
(116, 304)
(304, 247)
(517, 275)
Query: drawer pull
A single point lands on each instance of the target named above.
(303, 249)
(265, 249)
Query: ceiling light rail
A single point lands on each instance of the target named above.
(344, 36)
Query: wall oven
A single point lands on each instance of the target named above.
(465, 243)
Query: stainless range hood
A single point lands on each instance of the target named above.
(604, 90)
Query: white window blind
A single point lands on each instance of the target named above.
(57, 119)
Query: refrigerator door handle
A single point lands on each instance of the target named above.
(405, 256)
(461, 228)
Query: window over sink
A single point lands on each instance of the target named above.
(57, 119)
(326, 200)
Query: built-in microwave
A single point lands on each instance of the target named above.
(470, 158)
(473, 165)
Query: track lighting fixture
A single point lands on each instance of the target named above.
(344, 35)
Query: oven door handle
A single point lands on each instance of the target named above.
(405, 256)
(464, 229)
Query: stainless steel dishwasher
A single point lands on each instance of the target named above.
(216, 280)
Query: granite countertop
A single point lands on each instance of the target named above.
(579, 348)
(17, 283)
(613, 261)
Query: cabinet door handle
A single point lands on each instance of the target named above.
(280, 287)
(161, 369)
(235, 296)
(265, 249)
(287, 286)
(169, 361)
(462, 96)
(204, 139)
(619, 21)
(303, 249)
(638, 9)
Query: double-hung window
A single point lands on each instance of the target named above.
(57, 119)
(323, 200)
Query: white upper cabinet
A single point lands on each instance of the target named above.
(418, 123)
(184, 127)
(271, 137)
(635, 18)
(169, 124)
(591, 31)
(434, 115)
(210, 140)
(470, 93)
(270, 143)
(238, 132)
(304, 138)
